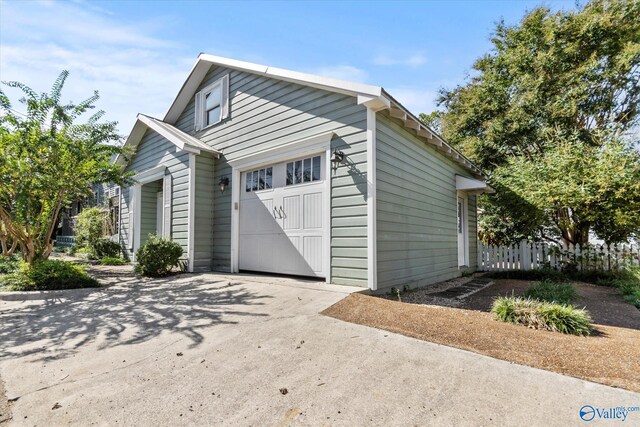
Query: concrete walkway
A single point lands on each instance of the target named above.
(239, 350)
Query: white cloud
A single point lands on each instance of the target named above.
(415, 99)
(342, 72)
(414, 60)
(134, 70)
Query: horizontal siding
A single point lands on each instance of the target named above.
(473, 233)
(203, 215)
(416, 210)
(154, 150)
(148, 217)
(265, 113)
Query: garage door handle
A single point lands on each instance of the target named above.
(282, 214)
(275, 214)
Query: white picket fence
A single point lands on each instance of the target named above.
(531, 256)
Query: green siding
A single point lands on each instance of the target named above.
(154, 150)
(203, 215)
(416, 209)
(266, 113)
(148, 216)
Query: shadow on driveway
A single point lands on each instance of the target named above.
(57, 327)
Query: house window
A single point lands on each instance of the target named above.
(304, 170)
(212, 104)
(260, 179)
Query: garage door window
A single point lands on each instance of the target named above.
(304, 170)
(260, 179)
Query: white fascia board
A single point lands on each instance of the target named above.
(205, 61)
(455, 154)
(476, 186)
(180, 139)
(133, 139)
(351, 88)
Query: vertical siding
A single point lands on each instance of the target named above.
(154, 150)
(266, 113)
(203, 215)
(416, 209)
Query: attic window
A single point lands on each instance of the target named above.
(212, 104)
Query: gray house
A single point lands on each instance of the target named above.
(255, 168)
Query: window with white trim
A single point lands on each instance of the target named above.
(260, 179)
(212, 104)
(303, 170)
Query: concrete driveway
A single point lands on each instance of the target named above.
(212, 349)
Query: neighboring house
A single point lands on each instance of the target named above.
(255, 168)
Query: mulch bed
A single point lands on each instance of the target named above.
(610, 356)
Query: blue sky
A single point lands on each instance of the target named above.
(137, 54)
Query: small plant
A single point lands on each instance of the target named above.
(627, 281)
(548, 291)
(86, 252)
(542, 315)
(90, 226)
(49, 275)
(157, 256)
(9, 264)
(112, 261)
(106, 248)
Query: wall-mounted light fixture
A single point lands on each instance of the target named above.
(337, 158)
(223, 183)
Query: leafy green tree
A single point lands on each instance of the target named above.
(90, 226)
(48, 160)
(433, 120)
(558, 91)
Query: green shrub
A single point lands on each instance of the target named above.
(157, 256)
(49, 275)
(561, 293)
(545, 273)
(106, 248)
(112, 261)
(9, 264)
(86, 252)
(90, 225)
(542, 315)
(627, 280)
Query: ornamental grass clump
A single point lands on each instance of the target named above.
(542, 315)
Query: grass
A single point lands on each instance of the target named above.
(108, 260)
(542, 315)
(626, 279)
(548, 291)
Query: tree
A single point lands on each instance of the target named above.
(47, 161)
(557, 92)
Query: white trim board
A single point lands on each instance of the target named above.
(372, 235)
(182, 141)
(150, 175)
(311, 145)
(191, 211)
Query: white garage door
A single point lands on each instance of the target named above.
(281, 218)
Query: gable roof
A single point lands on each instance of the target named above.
(183, 141)
(366, 94)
